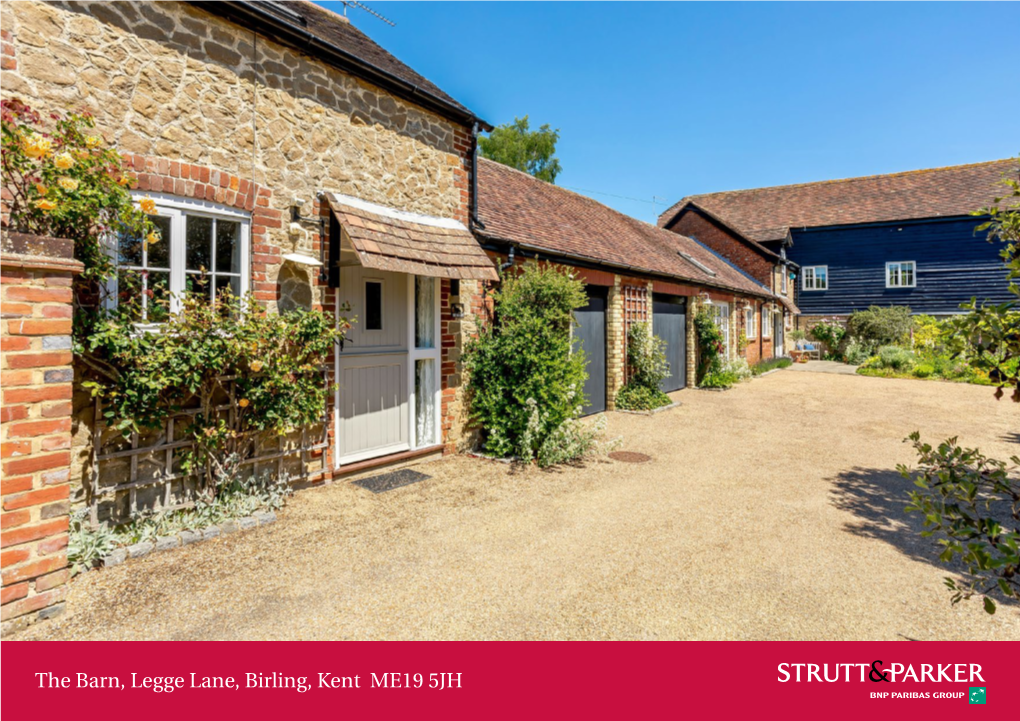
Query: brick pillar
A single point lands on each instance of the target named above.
(616, 343)
(692, 342)
(35, 426)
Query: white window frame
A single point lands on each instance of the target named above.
(899, 265)
(785, 279)
(751, 324)
(766, 322)
(804, 273)
(722, 310)
(177, 209)
(434, 354)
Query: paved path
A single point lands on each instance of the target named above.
(821, 366)
(771, 511)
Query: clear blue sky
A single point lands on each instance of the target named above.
(671, 99)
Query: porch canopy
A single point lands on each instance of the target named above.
(382, 238)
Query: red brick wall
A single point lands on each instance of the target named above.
(35, 434)
(722, 241)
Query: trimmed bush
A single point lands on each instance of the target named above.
(881, 326)
(524, 380)
(894, 357)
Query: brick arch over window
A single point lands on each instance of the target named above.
(187, 180)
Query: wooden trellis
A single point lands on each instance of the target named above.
(635, 310)
(166, 448)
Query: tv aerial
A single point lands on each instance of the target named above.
(366, 8)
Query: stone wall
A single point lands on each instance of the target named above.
(35, 426)
(169, 82)
(205, 109)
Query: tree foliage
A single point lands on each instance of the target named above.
(975, 503)
(531, 151)
(525, 381)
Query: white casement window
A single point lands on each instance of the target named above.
(815, 277)
(766, 322)
(750, 323)
(902, 274)
(784, 279)
(721, 318)
(202, 248)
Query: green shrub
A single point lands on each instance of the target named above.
(573, 441)
(633, 397)
(524, 380)
(858, 351)
(881, 325)
(720, 379)
(930, 334)
(797, 335)
(924, 370)
(896, 358)
(646, 356)
(739, 368)
(710, 344)
(770, 364)
(829, 332)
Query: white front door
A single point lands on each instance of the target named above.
(388, 371)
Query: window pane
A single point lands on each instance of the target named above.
(195, 284)
(373, 305)
(424, 312)
(129, 249)
(424, 402)
(199, 243)
(228, 281)
(157, 297)
(130, 288)
(228, 246)
(159, 252)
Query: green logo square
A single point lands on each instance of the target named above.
(977, 694)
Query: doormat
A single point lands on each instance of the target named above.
(629, 457)
(389, 481)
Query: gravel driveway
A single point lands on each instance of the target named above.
(771, 511)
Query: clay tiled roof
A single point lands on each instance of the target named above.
(331, 27)
(394, 240)
(766, 214)
(520, 209)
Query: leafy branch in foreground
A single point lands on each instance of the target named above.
(974, 501)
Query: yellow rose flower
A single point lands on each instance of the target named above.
(256, 366)
(41, 189)
(243, 403)
(93, 141)
(152, 238)
(45, 204)
(36, 146)
(68, 184)
(64, 161)
(147, 204)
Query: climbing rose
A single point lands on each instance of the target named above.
(64, 161)
(68, 184)
(93, 141)
(41, 189)
(256, 366)
(36, 146)
(45, 205)
(152, 238)
(148, 205)
(243, 403)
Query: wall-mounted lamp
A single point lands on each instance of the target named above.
(457, 310)
(301, 258)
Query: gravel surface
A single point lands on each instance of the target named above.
(772, 511)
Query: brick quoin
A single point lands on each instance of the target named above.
(35, 429)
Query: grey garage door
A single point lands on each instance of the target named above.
(669, 322)
(590, 336)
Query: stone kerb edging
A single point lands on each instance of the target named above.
(186, 538)
(660, 409)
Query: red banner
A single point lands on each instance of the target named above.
(509, 680)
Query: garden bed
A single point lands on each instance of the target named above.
(185, 538)
(653, 411)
